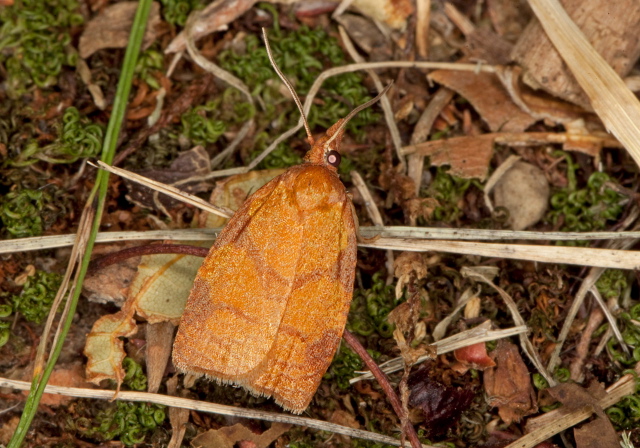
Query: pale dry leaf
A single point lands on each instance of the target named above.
(111, 28)
(393, 13)
(104, 349)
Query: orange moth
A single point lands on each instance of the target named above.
(269, 304)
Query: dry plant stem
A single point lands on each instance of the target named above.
(384, 383)
(589, 281)
(384, 101)
(168, 190)
(202, 406)
(64, 291)
(610, 318)
(423, 14)
(150, 249)
(524, 139)
(481, 333)
(374, 215)
(417, 233)
(615, 104)
(421, 132)
(582, 349)
(525, 343)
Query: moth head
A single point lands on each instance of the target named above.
(325, 150)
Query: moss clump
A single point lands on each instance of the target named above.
(176, 12)
(584, 209)
(35, 42)
(78, 138)
(37, 296)
(302, 55)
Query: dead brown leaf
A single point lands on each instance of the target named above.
(469, 157)
(488, 97)
(228, 436)
(595, 434)
(508, 385)
(112, 27)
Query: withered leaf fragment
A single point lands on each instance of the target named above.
(508, 385)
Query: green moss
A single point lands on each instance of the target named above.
(134, 377)
(585, 209)
(342, 369)
(626, 413)
(206, 123)
(149, 64)
(5, 323)
(370, 309)
(128, 422)
(449, 191)
(35, 42)
(78, 137)
(37, 296)
(20, 212)
(176, 12)
(612, 283)
(302, 55)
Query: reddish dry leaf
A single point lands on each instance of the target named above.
(229, 436)
(111, 284)
(488, 97)
(469, 157)
(111, 28)
(474, 356)
(508, 385)
(442, 405)
(66, 376)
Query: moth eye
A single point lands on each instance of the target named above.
(333, 158)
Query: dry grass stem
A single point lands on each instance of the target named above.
(615, 104)
(481, 333)
(203, 406)
(168, 190)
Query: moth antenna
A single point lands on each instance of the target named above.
(355, 111)
(287, 83)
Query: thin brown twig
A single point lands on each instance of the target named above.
(384, 383)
